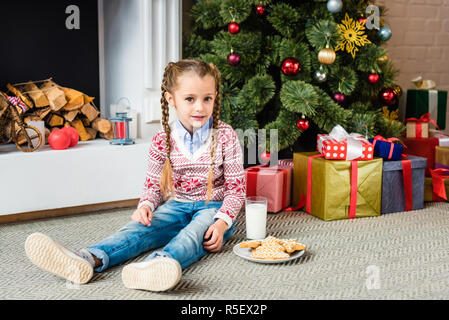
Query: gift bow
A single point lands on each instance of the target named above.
(390, 140)
(424, 118)
(353, 141)
(438, 177)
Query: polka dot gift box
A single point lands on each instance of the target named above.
(339, 145)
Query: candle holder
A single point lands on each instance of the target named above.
(121, 129)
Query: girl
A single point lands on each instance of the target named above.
(193, 191)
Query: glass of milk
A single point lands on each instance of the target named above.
(256, 217)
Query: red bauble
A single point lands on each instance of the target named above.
(388, 96)
(290, 66)
(59, 139)
(73, 134)
(302, 124)
(339, 97)
(233, 27)
(373, 78)
(362, 20)
(260, 9)
(265, 157)
(233, 59)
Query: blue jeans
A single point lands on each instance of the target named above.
(178, 227)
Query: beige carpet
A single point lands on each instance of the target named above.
(394, 256)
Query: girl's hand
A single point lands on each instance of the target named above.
(143, 215)
(215, 233)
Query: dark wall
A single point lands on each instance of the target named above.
(36, 45)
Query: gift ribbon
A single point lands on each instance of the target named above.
(390, 140)
(438, 177)
(17, 103)
(425, 118)
(408, 190)
(251, 181)
(307, 201)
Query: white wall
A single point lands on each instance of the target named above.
(140, 37)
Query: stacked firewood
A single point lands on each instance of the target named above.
(60, 106)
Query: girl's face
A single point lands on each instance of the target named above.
(193, 98)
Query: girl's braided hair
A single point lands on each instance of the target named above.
(172, 71)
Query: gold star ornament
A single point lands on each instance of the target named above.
(352, 36)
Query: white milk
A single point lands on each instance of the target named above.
(256, 221)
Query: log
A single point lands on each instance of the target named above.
(37, 95)
(90, 111)
(70, 116)
(78, 125)
(39, 114)
(20, 95)
(75, 99)
(54, 120)
(55, 96)
(102, 125)
(92, 132)
(85, 121)
(108, 135)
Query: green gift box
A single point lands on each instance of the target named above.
(332, 188)
(420, 102)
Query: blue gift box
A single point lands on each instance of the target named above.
(382, 149)
(393, 192)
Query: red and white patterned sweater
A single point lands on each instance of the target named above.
(190, 172)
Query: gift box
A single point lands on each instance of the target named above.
(441, 157)
(424, 147)
(387, 148)
(436, 188)
(416, 129)
(403, 184)
(335, 189)
(339, 145)
(420, 102)
(443, 140)
(271, 182)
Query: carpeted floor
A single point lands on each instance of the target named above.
(394, 256)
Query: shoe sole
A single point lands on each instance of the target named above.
(50, 256)
(161, 275)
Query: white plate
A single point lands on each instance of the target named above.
(245, 253)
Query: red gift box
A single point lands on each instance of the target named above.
(422, 147)
(271, 182)
(335, 149)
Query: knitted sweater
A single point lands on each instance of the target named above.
(190, 172)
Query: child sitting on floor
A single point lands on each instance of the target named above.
(193, 191)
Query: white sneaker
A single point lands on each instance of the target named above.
(50, 256)
(159, 274)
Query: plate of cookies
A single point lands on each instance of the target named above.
(270, 250)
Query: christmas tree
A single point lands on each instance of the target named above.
(288, 65)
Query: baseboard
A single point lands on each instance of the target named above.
(42, 214)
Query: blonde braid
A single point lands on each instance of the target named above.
(166, 181)
(215, 119)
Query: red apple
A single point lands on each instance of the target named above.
(59, 139)
(73, 134)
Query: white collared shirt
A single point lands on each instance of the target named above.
(193, 142)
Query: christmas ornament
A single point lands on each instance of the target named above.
(290, 66)
(73, 134)
(260, 9)
(59, 139)
(303, 124)
(362, 20)
(351, 36)
(373, 77)
(334, 6)
(233, 27)
(320, 75)
(233, 59)
(384, 33)
(382, 59)
(339, 97)
(326, 56)
(388, 96)
(265, 157)
(398, 90)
